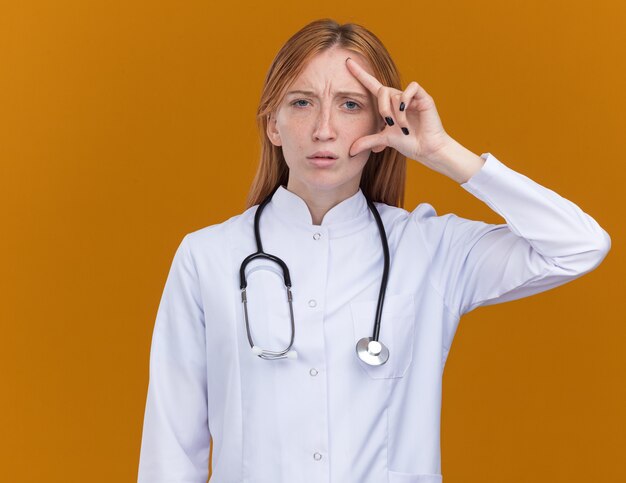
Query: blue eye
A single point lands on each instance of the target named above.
(297, 101)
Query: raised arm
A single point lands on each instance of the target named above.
(546, 241)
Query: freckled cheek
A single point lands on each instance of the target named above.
(292, 133)
(295, 140)
(364, 128)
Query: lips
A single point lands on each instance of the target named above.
(323, 155)
(320, 162)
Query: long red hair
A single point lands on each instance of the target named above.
(384, 174)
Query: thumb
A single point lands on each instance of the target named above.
(376, 142)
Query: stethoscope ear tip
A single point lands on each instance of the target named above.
(292, 354)
(257, 350)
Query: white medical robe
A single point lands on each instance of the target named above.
(327, 416)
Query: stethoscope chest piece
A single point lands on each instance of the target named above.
(372, 352)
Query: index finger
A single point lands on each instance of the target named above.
(369, 81)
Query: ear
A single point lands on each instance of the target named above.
(272, 131)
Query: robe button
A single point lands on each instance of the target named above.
(313, 372)
(317, 236)
(317, 456)
(312, 303)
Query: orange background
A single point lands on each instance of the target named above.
(126, 124)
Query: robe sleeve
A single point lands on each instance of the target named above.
(176, 437)
(546, 241)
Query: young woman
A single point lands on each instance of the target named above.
(308, 335)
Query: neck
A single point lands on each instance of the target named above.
(320, 202)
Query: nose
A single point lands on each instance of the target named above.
(324, 129)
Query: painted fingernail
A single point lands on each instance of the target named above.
(405, 131)
(389, 121)
(402, 106)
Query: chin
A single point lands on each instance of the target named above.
(326, 182)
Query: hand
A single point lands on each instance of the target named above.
(426, 135)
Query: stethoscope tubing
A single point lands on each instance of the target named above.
(373, 358)
(383, 282)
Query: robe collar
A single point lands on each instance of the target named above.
(347, 216)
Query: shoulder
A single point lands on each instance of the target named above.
(447, 229)
(390, 214)
(217, 235)
(424, 216)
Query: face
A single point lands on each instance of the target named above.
(334, 111)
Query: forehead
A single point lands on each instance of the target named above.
(328, 70)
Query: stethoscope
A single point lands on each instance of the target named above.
(369, 349)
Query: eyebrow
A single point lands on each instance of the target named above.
(339, 93)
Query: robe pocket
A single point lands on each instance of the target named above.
(397, 477)
(397, 328)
